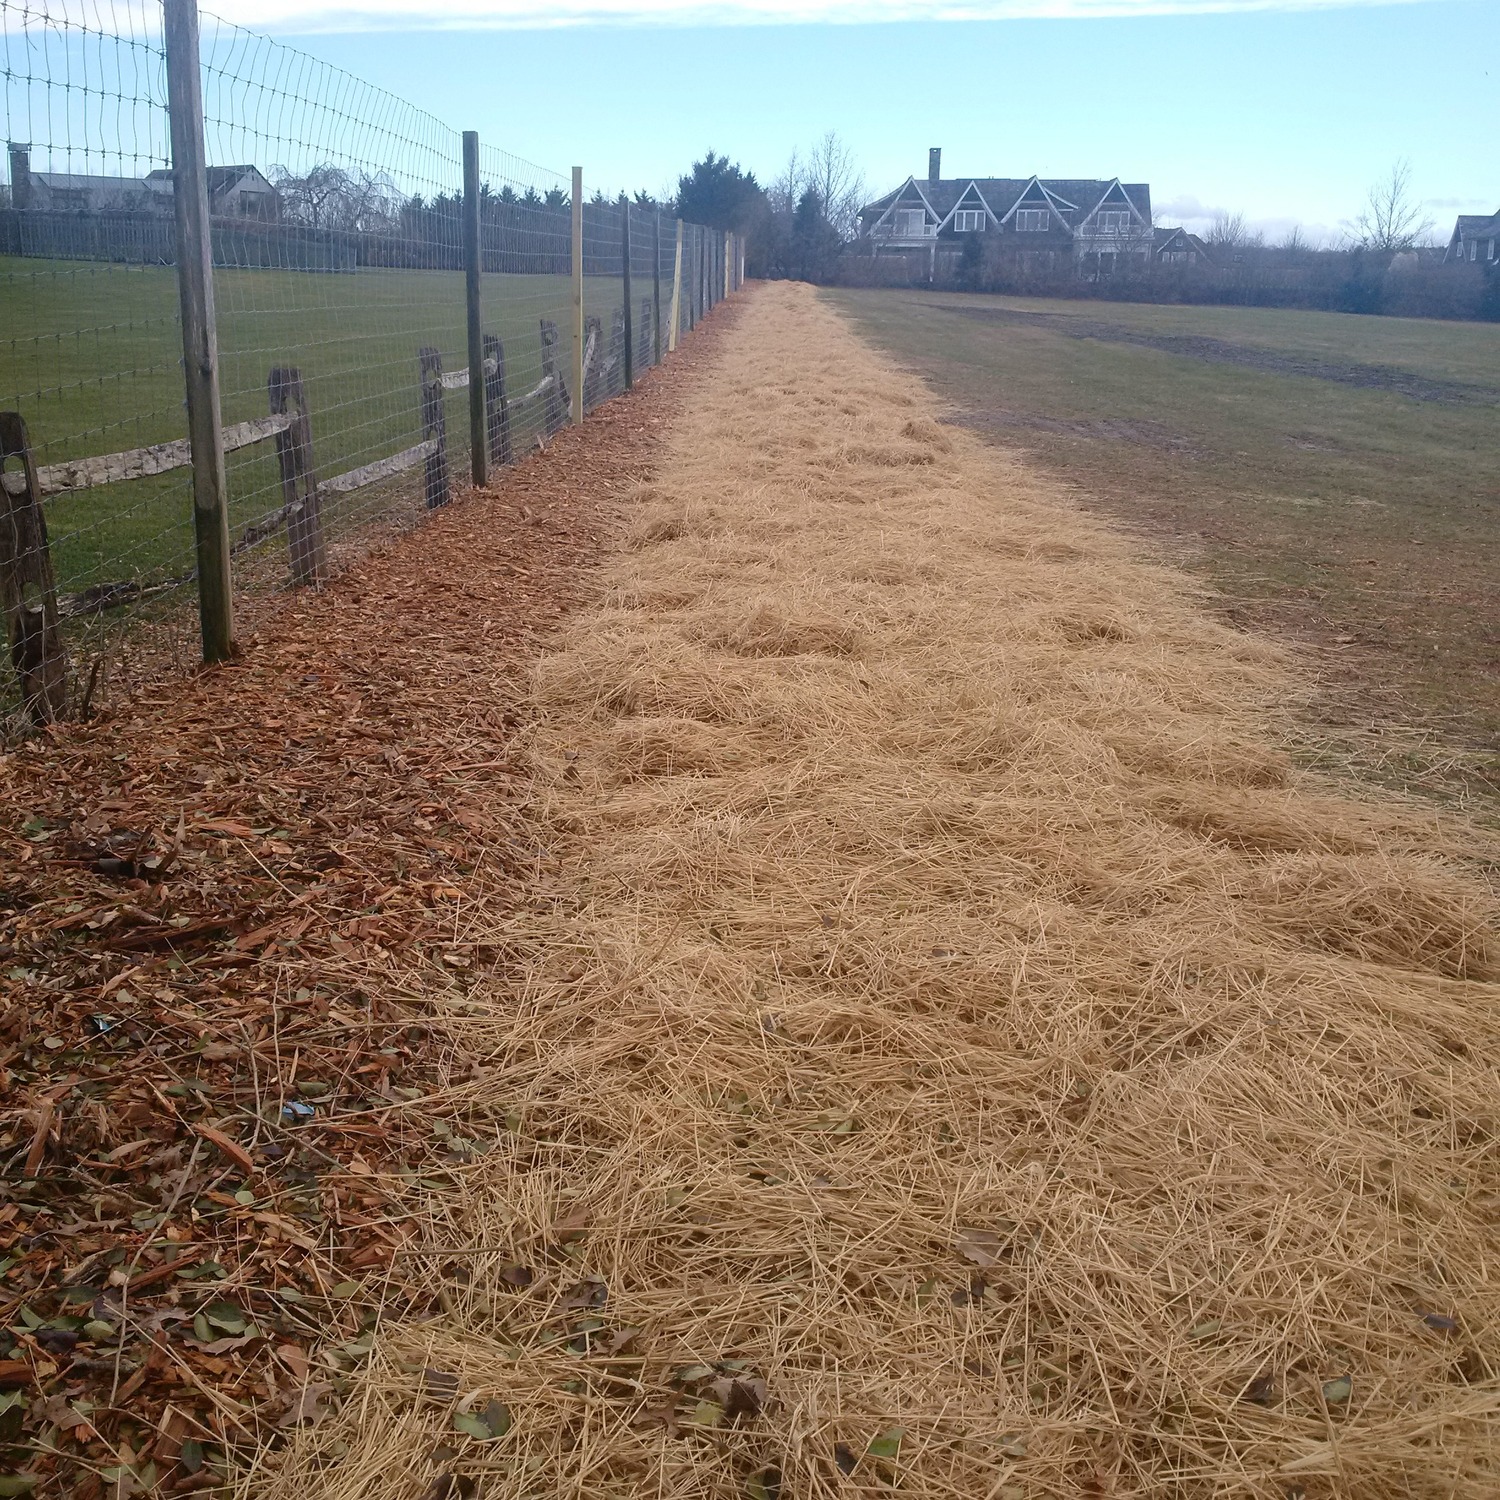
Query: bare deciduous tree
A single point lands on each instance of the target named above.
(328, 197)
(1392, 219)
(1230, 232)
(831, 172)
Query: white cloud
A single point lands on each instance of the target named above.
(364, 15)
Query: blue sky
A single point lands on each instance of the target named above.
(1285, 115)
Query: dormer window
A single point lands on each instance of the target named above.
(911, 223)
(969, 220)
(1032, 220)
(1113, 221)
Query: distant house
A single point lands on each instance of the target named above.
(1476, 239)
(234, 192)
(1177, 247)
(1095, 223)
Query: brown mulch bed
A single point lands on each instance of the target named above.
(214, 1103)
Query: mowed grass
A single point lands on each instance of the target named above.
(1335, 477)
(90, 354)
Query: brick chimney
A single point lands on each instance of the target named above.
(934, 165)
(20, 176)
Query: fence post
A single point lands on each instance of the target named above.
(28, 593)
(479, 449)
(676, 320)
(200, 344)
(496, 402)
(656, 289)
(557, 391)
(695, 281)
(299, 483)
(649, 315)
(578, 402)
(625, 271)
(728, 245)
(434, 426)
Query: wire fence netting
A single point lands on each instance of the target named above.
(339, 281)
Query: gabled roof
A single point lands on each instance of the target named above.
(1068, 195)
(900, 198)
(1476, 226)
(970, 197)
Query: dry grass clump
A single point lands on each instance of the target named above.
(971, 1065)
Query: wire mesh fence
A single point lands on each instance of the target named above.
(342, 347)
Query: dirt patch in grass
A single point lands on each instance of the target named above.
(226, 913)
(1222, 351)
(961, 1055)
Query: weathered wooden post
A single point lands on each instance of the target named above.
(675, 322)
(479, 450)
(656, 289)
(592, 362)
(625, 297)
(643, 336)
(557, 390)
(619, 343)
(200, 344)
(728, 261)
(434, 427)
(28, 591)
(299, 481)
(496, 402)
(578, 398)
(695, 281)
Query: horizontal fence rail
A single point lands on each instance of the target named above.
(222, 403)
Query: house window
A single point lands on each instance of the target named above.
(1473, 250)
(1491, 255)
(969, 220)
(911, 223)
(1031, 220)
(1112, 222)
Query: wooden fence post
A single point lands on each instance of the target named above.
(28, 592)
(592, 363)
(299, 482)
(579, 403)
(479, 450)
(619, 343)
(200, 344)
(675, 322)
(496, 403)
(625, 272)
(557, 392)
(656, 289)
(643, 336)
(434, 426)
(728, 261)
(695, 281)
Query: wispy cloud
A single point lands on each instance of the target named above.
(352, 15)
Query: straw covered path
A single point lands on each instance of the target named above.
(962, 1056)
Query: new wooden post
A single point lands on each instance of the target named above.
(28, 593)
(695, 281)
(625, 273)
(676, 319)
(479, 448)
(578, 294)
(299, 482)
(656, 289)
(434, 427)
(200, 345)
(496, 402)
(728, 261)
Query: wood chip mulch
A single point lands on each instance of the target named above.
(212, 1105)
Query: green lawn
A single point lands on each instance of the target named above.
(90, 354)
(1335, 477)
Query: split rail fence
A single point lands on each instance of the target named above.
(279, 279)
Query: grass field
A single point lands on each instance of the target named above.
(1336, 478)
(90, 355)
